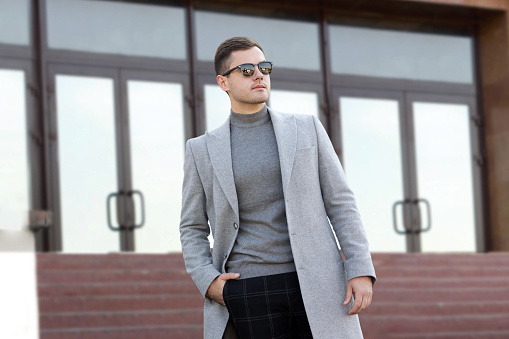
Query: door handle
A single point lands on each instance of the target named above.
(395, 221)
(428, 209)
(130, 194)
(108, 199)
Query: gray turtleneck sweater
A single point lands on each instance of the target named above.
(262, 246)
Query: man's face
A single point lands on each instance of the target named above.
(246, 91)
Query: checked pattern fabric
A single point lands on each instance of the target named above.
(267, 307)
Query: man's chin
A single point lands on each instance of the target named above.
(259, 100)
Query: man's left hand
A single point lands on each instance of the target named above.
(362, 290)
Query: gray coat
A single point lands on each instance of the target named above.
(315, 192)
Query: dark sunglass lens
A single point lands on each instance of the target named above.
(265, 67)
(247, 69)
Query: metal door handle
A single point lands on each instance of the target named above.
(131, 193)
(426, 202)
(394, 206)
(108, 199)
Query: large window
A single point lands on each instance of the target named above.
(277, 38)
(117, 28)
(397, 54)
(14, 22)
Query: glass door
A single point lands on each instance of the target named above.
(118, 141)
(445, 153)
(368, 135)
(15, 175)
(155, 112)
(410, 161)
(84, 142)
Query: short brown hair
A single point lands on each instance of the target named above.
(222, 58)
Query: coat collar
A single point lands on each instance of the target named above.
(219, 147)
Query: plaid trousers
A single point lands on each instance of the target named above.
(266, 307)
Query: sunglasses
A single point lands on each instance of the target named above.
(265, 67)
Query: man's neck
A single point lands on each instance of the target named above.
(247, 108)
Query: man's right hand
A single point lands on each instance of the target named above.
(215, 290)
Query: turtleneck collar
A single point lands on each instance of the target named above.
(251, 119)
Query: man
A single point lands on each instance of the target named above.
(268, 183)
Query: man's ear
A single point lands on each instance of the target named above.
(222, 81)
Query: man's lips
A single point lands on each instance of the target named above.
(259, 86)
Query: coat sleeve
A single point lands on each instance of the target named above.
(341, 209)
(194, 227)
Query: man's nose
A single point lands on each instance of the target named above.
(257, 74)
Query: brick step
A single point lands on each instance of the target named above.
(119, 303)
(425, 283)
(91, 276)
(117, 288)
(73, 262)
(54, 261)
(162, 261)
(452, 335)
(384, 324)
(132, 332)
(473, 271)
(192, 316)
(441, 295)
(435, 308)
(126, 295)
(407, 258)
(422, 257)
(444, 266)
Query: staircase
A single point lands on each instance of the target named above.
(147, 296)
(119, 296)
(420, 296)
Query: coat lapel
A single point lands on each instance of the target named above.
(219, 147)
(285, 129)
(220, 152)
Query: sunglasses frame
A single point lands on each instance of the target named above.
(254, 66)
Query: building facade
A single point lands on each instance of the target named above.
(99, 97)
